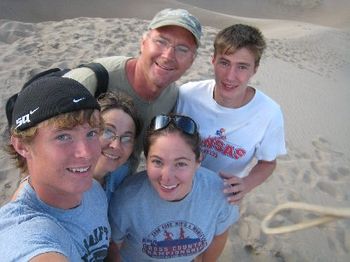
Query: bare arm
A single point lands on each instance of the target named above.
(113, 252)
(215, 248)
(51, 256)
(242, 186)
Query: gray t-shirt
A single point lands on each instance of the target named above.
(118, 80)
(153, 229)
(29, 227)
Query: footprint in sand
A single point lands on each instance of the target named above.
(323, 149)
(339, 240)
(334, 189)
(307, 177)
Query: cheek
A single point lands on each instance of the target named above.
(219, 73)
(95, 148)
(185, 65)
(152, 172)
(103, 144)
(127, 152)
(185, 177)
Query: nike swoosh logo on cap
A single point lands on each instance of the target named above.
(33, 111)
(78, 100)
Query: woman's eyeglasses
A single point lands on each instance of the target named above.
(110, 136)
(184, 123)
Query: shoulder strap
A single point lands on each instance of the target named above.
(50, 72)
(101, 75)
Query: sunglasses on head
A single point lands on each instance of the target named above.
(184, 123)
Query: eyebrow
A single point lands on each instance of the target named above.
(224, 59)
(167, 39)
(239, 63)
(244, 64)
(176, 159)
(182, 158)
(116, 129)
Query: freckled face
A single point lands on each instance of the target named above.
(171, 166)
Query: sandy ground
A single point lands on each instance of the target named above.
(305, 69)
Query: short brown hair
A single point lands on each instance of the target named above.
(122, 101)
(238, 36)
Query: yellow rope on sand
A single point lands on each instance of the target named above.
(328, 214)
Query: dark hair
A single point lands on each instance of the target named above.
(120, 100)
(193, 141)
(237, 36)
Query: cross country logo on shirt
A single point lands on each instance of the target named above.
(174, 239)
(217, 145)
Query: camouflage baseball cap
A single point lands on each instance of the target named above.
(178, 17)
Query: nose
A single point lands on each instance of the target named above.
(169, 51)
(86, 149)
(115, 143)
(167, 174)
(231, 74)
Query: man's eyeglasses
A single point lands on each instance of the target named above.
(110, 136)
(181, 51)
(184, 123)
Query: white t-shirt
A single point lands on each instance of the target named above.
(232, 137)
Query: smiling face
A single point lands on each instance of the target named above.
(61, 161)
(115, 152)
(232, 74)
(162, 66)
(171, 166)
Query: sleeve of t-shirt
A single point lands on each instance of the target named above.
(39, 236)
(181, 98)
(228, 215)
(273, 143)
(117, 219)
(85, 76)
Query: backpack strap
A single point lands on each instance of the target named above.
(50, 72)
(102, 76)
(9, 108)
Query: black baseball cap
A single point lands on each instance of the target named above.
(48, 97)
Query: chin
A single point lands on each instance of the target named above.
(83, 187)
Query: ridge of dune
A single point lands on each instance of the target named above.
(305, 69)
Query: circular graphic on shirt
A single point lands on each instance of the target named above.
(174, 239)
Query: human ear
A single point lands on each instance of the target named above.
(142, 42)
(20, 147)
(199, 160)
(213, 59)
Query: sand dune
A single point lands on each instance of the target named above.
(305, 69)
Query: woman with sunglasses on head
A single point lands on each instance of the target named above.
(175, 209)
(122, 126)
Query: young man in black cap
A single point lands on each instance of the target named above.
(60, 212)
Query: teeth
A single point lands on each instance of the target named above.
(169, 187)
(164, 67)
(228, 85)
(111, 156)
(79, 170)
